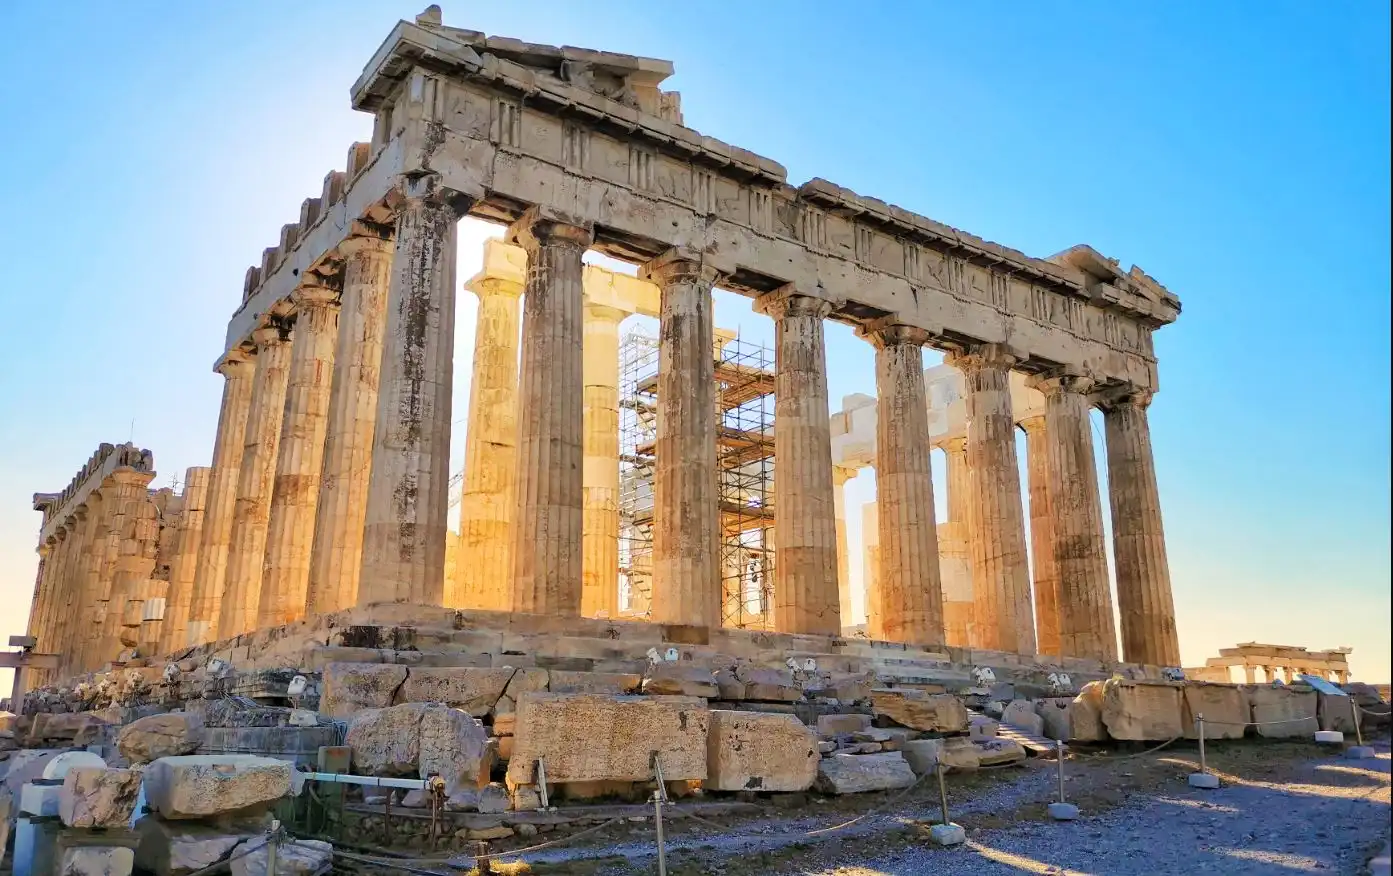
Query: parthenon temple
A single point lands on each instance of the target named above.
(328, 484)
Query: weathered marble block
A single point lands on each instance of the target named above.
(759, 751)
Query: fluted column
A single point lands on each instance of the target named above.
(996, 524)
(1086, 627)
(337, 552)
(126, 556)
(686, 534)
(910, 595)
(142, 590)
(181, 571)
(404, 526)
(805, 528)
(53, 602)
(42, 577)
(210, 569)
(954, 551)
(99, 509)
(547, 521)
(840, 475)
(599, 591)
(1045, 575)
(255, 479)
(285, 575)
(1138, 538)
(73, 629)
(484, 570)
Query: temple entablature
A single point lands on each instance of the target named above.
(59, 508)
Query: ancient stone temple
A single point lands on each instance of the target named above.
(329, 483)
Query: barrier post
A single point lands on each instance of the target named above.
(271, 844)
(659, 798)
(1359, 751)
(1061, 810)
(947, 833)
(1202, 779)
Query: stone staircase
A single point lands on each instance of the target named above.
(1034, 744)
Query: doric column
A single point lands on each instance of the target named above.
(484, 570)
(81, 633)
(1250, 674)
(910, 596)
(599, 591)
(337, 553)
(181, 571)
(547, 521)
(840, 475)
(805, 528)
(210, 569)
(41, 584)
(404, 526)
(53, 602)
(140, 628)
(1084, 604)
(996, 519)
(252, 511)
(128, 562)
(686, 534)
(954, 552)
(1138, 539)
(285, 575)
(74, 629)
(1045, 574)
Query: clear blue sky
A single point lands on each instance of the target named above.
(1237, 152)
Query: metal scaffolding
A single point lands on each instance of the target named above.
(745, 465)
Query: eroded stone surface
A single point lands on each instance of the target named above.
(94, 797)
(759, 751)
(942, 713)
(1284, 712)
(298, 858)
(1224, 706)
(96, 861)
(590, 737)
(178, 849)
(199, 785)
(475, 690)
(159, 736)
(1086, 715)
(349, 688)
(421, 739)
(858, 773)
(1141, 711)
(956, 753)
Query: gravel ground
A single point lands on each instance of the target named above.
(1301, 814)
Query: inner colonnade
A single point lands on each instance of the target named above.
(330, 471)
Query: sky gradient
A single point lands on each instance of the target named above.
(1239, 153)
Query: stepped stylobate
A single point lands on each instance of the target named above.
(329, 484)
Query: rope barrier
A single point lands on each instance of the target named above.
(1152, 750)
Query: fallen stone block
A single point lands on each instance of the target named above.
(298, 858)
(674, 679)
(421, 739)
(587, 737)
(1141, 711)
(475, 690)
(349, 688)
(180, 848)
(858, 773)
(995, 752)
(1022, 714)
(982, 727)
(1054, 717)
(956, 753)
(759, 751)
(1086, 715)
(1336, 713)
(1283, 712)
(159, 736)
(940, 713)
(94, 797)
(768, 685)
(1224, 706)
(199, 785)
(837, 725)
(96, 861)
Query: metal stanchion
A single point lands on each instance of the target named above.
(659, 798)
(1203, 779)
(1358, 751)
(271, 844)
(947, 833)
(1061, 810)
(542, 784)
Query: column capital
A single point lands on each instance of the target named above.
(315, 292)
(545, 226)
(887, 332)
(978, 356)
(486, 286)
(788, 301)
(1033, 425)
(269, 336)
(132, 476)
(427, 188)
(955, 445)
(1052, 383)
(234, 361)
(43, 549)
(841, 474)
(595, 312)
(680, 264)
(1126, 396)
(377, 240)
